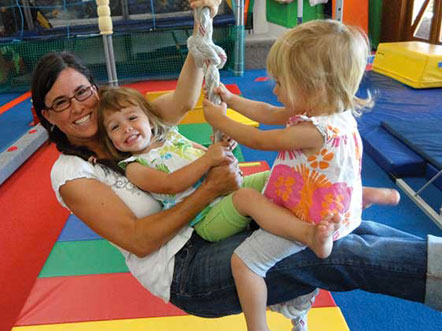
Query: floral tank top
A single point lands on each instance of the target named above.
(176, 152)
(326, 182)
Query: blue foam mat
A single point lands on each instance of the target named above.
(395, 102)
(422, 136)
(76, 230)
(392, 155)
(14, 123)
(6, 97)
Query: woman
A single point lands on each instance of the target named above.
(159, 247)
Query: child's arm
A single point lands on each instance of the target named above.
(261, 112)
(198, 146)
(303, 135)
(156, 181)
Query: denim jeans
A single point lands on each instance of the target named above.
(374, 258)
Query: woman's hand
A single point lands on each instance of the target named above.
(213, 112)
(223, 180)
(212, 4)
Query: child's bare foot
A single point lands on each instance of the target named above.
(322, 236)
(380, 196)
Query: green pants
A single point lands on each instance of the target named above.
(223, 220)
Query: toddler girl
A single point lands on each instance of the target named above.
(159, 160)
(317, 67)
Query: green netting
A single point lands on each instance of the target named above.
(138, 55)
(149, 37)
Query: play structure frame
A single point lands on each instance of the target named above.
(421, 203)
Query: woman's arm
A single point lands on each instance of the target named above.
(104, 212)
(302, 136)
(261, 112)
(172, 107)
(157, 181)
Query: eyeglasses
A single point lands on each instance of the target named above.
(64, 103)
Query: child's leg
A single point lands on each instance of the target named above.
(280, 221)
(223, 220)
(250, 263)
(379, 196)
(252, 293)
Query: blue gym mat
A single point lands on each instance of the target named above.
(76, 230)
(422, 136)
(395, 103)
(6, 97)
(14, 123)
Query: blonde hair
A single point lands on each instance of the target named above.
(113, 99)
(323, 62)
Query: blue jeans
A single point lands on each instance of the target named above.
(374, 258)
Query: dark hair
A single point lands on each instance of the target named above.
(45, 74)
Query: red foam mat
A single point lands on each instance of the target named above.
(91, 298)
(249, 168)
(31, 220)
(99, 298)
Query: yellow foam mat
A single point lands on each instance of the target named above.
(414, 63)
(319, 319)
(196, 115)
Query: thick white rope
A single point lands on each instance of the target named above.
(207, 55)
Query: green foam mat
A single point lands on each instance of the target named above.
(74, 258)
(200, 133)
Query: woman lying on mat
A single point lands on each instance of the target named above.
(159, 246)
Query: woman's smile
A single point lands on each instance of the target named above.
(83, 120)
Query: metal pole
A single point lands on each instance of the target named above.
(125, 9)
(28, 15)
(114, 79)
(300, 11)
(110, 60)
(339, 10)
(238, 53)
(429, 182)
(105, 25)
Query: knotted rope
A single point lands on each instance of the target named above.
(207, 55)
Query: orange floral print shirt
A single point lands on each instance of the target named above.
(326, 182)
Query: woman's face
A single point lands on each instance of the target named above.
(79, 120)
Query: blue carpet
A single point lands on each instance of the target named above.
(366, 311)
